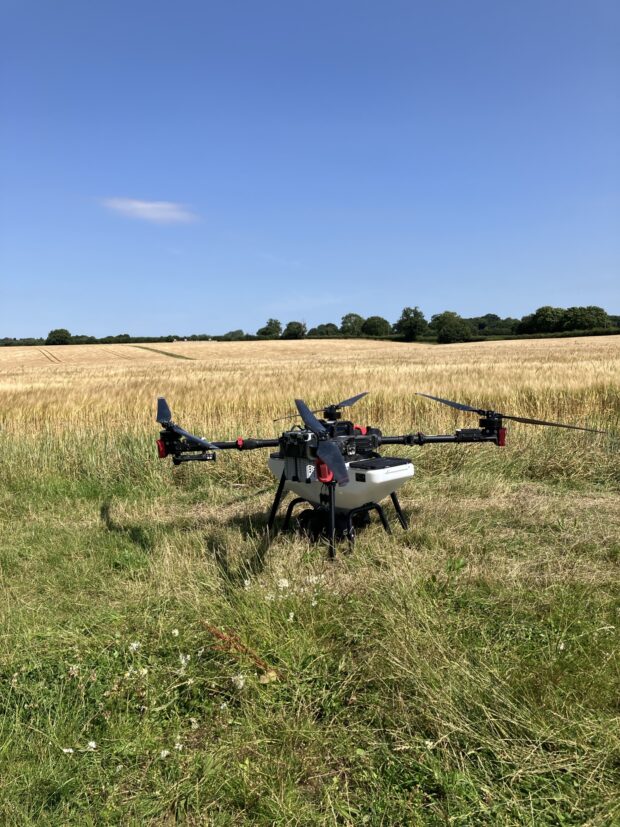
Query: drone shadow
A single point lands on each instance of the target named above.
(253, 529)
(137, 534)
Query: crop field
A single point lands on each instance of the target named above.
(161, 663)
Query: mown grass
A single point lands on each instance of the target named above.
(462, 672)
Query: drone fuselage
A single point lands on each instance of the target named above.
(370, 480)
(371, 477)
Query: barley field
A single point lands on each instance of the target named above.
(161, 663)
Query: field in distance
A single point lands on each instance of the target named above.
(161, 663)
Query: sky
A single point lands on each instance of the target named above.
(197, 167)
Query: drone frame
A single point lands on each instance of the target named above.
(328, 443)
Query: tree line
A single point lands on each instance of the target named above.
(445, 328)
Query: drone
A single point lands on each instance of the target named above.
(333, 465)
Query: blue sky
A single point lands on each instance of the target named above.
(199, 166)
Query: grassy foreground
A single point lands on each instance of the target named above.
(159, 664)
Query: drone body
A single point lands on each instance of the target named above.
(370, 480)
(333, 465)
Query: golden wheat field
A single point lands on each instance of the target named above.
(223, 386)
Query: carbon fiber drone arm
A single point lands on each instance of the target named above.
(464, 436)
(490, 430)
(251, 444)
(186, 450)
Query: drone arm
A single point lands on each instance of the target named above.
(184, 447)
(247, 444)
(467, 435)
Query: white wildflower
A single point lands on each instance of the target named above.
(314, 602)
(291, 617)
(429, 744)
(238, 681)
(91, 745)
(223, 705)
(561, 646)
(184, 660)
(164, 753)
(178, 746)
(74, 671)
(67, 750)
(175, 633)
(246, 584)
(134, 646)
(193, 723)
(283, 583)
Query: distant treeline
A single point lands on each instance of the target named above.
(445, 328)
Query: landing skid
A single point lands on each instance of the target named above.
(323, 517)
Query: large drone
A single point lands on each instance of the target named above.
(333, 465)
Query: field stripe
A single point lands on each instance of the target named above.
(50, 356)
(165, 353)
(118, 355)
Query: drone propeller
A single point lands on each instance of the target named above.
(164, 414)
(461, 407)
(346, 403)
(164, 417)
(326, 448)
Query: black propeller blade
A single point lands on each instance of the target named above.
(164, 417)
(346, 403)
(309, 419)
(553, 424)
(327, 450)
(528, 421)
(458, 405)
(164, 414)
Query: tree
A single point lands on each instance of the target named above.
(294, 330)
(450, 327)
(351, 325)
(546, 319)
(492, 325)
(323, 330)
(59, 336)
(272, 330)
(585, 318)
(411, 324)
(376, 326)
(233, 335)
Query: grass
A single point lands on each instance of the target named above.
(462, 672)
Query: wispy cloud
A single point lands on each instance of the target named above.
(280, 261)
(157, 212)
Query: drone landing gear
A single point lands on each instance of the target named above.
(324, 521)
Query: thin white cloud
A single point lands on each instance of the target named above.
(157, 212)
